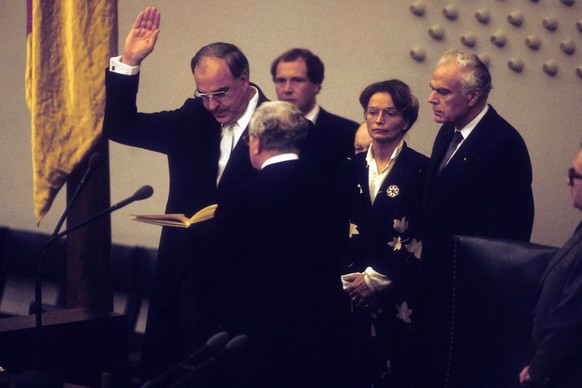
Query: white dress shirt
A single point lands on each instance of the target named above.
(231, 134)
(313, 114)
(375, 177)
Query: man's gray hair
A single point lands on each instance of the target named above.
(280, 125)
(475, 72)
(235, 59)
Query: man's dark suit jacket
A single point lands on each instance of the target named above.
(329, 143)
(485, 190)
(272, 272)
(557, 331)
(190, 138)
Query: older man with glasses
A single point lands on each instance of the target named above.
(205, 158)
(557, 328)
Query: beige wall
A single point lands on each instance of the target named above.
(360, 42)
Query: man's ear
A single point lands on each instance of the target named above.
(244, 77)
(255, 145)
(474, 96)
(318, 89)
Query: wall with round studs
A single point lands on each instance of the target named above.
(534, 52)
(546, 25)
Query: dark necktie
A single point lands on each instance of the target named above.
(457, 138)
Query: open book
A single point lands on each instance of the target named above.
(177, 220)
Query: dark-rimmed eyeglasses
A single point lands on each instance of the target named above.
(373, 113)
(217, 96)
(572, 174)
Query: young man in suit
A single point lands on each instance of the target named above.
(271, 267)
(205, 159)
(557, 330)
(298, 75)
(479, 181)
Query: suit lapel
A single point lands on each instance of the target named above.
(362, 179)
(478, 140)
(396, 179)
(441, 145)
(321, 117)
(239, 165)
(562, 253)
(469, 150)
(439, 149)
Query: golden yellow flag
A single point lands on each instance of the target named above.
(69, 44)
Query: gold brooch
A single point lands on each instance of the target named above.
(392, 191)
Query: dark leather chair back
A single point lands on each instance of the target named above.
(494, 293)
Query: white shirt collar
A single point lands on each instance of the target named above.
(313, 113)
(370, 155)
(280, 158)
(244, 120)
(467, 129)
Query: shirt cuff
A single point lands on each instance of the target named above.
(116, 66)
(375, 280)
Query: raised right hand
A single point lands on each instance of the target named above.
(142, 38)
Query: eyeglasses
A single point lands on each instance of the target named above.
(375, 112)
(572, 174)
(218, 96)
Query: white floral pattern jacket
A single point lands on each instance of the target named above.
(385, 235)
